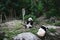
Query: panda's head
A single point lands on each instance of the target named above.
(42, 31)
(30, 19)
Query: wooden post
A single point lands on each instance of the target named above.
(23, 13)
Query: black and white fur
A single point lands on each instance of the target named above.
(29, 23)
(42, 31)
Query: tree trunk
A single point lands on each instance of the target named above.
(14, 13)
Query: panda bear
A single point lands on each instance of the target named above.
(42, 31)
(29, 23)
(30, 20)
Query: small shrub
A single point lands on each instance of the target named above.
(34, 30)
(51, 13)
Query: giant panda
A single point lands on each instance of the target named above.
(29, 23)
(42, 31)
(30, 20)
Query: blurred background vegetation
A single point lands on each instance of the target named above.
(35, 8)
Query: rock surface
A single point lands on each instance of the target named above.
(11, 24)
(26, 36)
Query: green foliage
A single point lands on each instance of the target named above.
(57, 24)
(58, 17)
(51, 7)
(52, 30)
(51, 13)
(50, 22)
(33, 30)
(32, 16)
(40, 6)
(14, 31)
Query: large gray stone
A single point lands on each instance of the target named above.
(26, 36)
